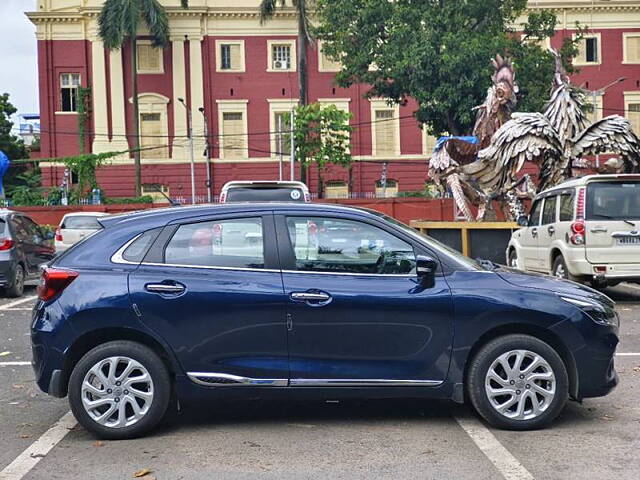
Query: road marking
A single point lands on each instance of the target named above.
(628, 354)
(502, 459)
(14, 364)
(19, 309)
(29, 458)
(635, 287)
(6, 306)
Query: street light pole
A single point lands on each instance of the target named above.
(595, 94)
(206, 153)
(190, 135)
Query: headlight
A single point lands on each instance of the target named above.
(599, 312)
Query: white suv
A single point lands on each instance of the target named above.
(586, 229)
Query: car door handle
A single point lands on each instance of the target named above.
(534, 232)
(164, 288)
(551, 230)
(599, 230)
(310, 297)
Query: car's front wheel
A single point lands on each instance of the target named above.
(119, 390)
(517, 382)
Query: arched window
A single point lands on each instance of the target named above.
(336, 189)
(388, 191)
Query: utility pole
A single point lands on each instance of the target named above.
(293, 144)
(190, 135)
(595, 94)
(207, 155)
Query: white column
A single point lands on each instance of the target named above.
(118, 102)
(179, 91)
(197, 94)
(99, 95)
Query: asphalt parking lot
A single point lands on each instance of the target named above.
(599, 439)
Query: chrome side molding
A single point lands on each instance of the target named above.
(228, 380)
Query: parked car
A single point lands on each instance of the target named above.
(24, 246)
(264, 191)
(75, 227)
(586, 229)
(386, 313)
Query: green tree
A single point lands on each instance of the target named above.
(119, 21)
(321, 135)
(438, 52)
(10, 144)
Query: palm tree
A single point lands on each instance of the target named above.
(267, 11)
(118, 23)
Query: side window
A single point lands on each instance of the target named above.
(235, 243)
(33, 230)
(139, 247)
(346, 246)
(549, 210)
(566, 207)
(19, 229)
(534, 216)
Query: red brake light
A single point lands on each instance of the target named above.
(6, 243)
(577, 227)
(58, 235)
(53, 282)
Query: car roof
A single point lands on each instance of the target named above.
(582, 181)
(85, 214)
(169, 214)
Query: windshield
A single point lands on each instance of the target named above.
(81, 223)
(265, 194)
(613, 201)
(440, 247)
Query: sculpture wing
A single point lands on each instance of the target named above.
(461, 151)
(526, 137)
(612, 134)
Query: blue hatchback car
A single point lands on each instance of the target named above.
(288, 299)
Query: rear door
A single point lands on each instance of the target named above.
(42, 249)
(24, 242)
(613, 222)
(212, 288)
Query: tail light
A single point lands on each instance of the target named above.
(580, 204)
(53, 282)
(6, 243)
(578, 228)
(223, 197)
(58, 235)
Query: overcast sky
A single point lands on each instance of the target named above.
(18, 55)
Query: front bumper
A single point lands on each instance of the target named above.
(595, 363)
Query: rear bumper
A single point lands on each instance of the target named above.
(6, 272)
(581, 267)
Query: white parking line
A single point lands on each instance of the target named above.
(14, 364)
(29, 458)
(6, 306)
(505, 463)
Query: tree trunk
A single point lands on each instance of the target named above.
(136, 115)
(302, 80)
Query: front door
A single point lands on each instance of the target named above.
(547, 232)
(214, 294)
(358, 315)
(529, 242)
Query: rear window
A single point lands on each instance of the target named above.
(613, 201)
(262, 194)
(3, 226)
(81, 223)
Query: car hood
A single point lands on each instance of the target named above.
(551, 284)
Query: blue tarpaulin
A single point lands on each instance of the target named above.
(4, 166)
(442, 140)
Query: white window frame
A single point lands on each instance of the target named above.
(576, 61)
(60, 87)
(321, 55)
(278, 105)
(160, 52)
(626, 35)
(233, 106)
(629, 98)
(241, 68)
(341, 104)
(155, 103)
(382, 104)
(294, 59)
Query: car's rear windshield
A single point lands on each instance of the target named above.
(613, 200)
(81, 223)
(265, 194)
(2, 227)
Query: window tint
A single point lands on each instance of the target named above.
(549, 210)
(138, 248)
(335, 245)
(534, 217)
(81, 223)
(265, 194)
(236, 243)
(566, 207)
(19, 229)
(613, 201)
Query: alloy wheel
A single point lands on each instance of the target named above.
(117, 392)
(520, 385)
(560, 271)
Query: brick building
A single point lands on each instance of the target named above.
(243, 75)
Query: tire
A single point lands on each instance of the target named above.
(560, 269)
(517, 412)
(16, 288)
(513, 259)
(152, 397)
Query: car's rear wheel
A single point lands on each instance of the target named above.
(119, 390)
(560, 269)
(16, 287)
(513, 258)
(517, 382)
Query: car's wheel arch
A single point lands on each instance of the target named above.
(91, 339)
(554, 253)
(535, 331)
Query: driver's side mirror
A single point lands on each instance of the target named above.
(523, 221)
(426, 269)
